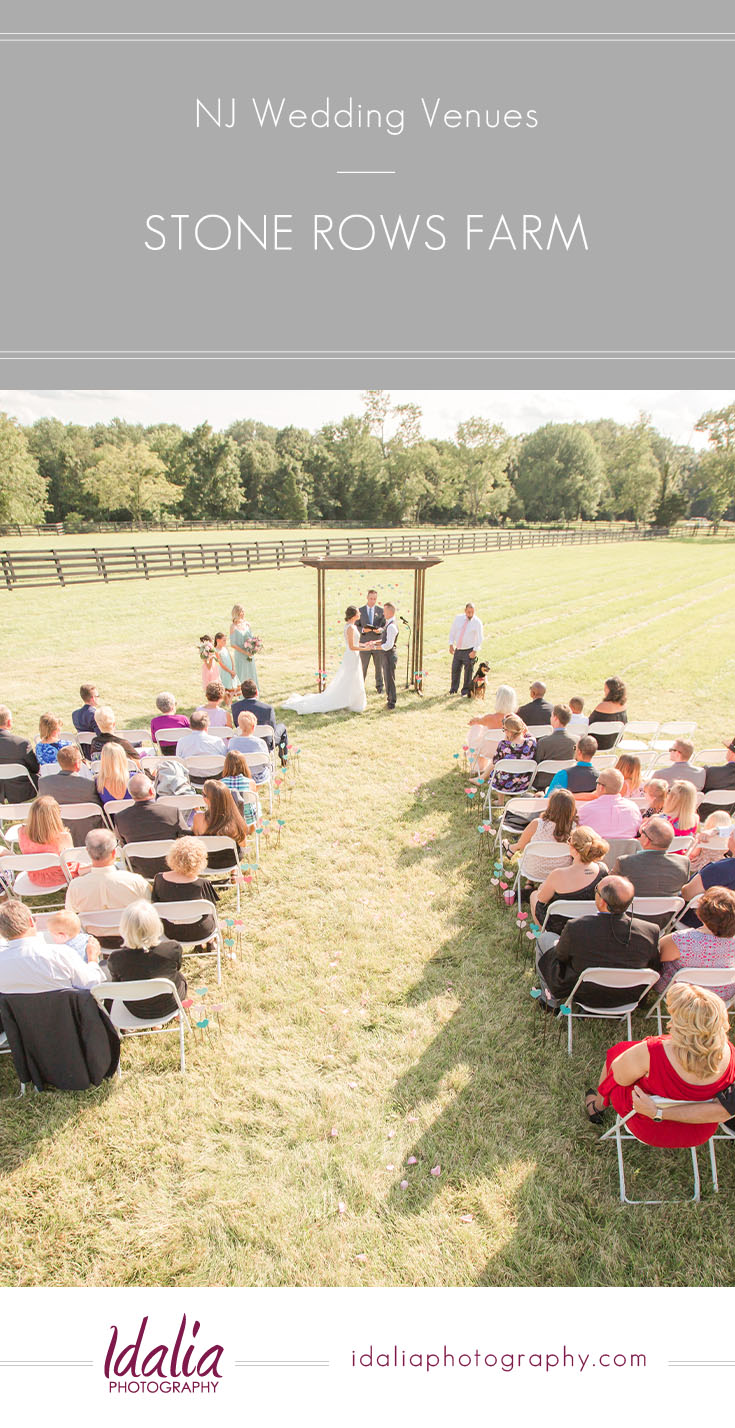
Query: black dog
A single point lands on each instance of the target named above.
(479, 681)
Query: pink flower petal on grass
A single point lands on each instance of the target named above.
(436, 1170)
(390, 1167)
(334, 1132)
(361, 1256)
(466, 1219)
(412, 1160)
(404, 1184)
(391, 1134)
(342, 1207)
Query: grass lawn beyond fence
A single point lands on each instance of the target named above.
(377, 1022)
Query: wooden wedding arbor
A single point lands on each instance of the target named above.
(419, 564)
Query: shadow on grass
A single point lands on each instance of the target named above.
(27, 1122)
(510, 1137)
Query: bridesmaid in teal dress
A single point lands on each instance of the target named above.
(239, 632)
(225, 658)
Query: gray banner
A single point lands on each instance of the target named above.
(564, 194)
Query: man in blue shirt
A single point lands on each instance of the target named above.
(583, 777)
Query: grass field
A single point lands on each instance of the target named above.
(379, 994)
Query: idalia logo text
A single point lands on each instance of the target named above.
(146, 1367)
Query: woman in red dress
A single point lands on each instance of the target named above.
(693, 1062)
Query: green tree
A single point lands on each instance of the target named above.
(561, 475)
(23, 489)
(131, 478)
(210, 474)
(483, 451)
(717, 467)
(63, 454)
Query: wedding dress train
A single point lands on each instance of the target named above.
(345, 691)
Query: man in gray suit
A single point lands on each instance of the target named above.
(655, 872)
(372, 620)
(681, 765)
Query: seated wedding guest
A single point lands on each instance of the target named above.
(654, 872)
(251, 703)
(167, 718)
(680, 807)
(681, 765)
(44, 832)
(718, 777)
(611, 815)
(655, 791)
(578, 723)
(47, 747)
(84, 719)
(184, 882)
(30, 964)
(220, 818)
(146, 953)
(515, 744)
(113, 775)
(610, 710)
(715, 875)
(216, 707)
(558, 745)
(65, 929)
(704, 850)
(106, 725)
(479, 746)
(146, 821)
(613, 938)
(74, 782)
(237, 777)
(245, 742)
(554, 825)
(693, 1061)
(583, 777)
(711, 945)
(577, 881)
(199, 741)
(103, 886)
(538, 710)
(15, 750)
(630, 767)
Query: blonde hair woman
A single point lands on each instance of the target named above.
(187, 862)
(44, 832)
(240, 631)
(146, 953)
(112, 778)
(680, 807)
(630, 767)
(693, 1061)
(48, 745)
(515, 744)
(577, 880)
(480, 742)
(105, 720)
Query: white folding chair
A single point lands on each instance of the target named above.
(604, 761)
(185, 912)
(559, 852)
(615, 978)
(720, 798)
(677, 729)
(264, 731)
(73, 813)
(516, 767)
(204, 766)
(222, 875)
(638, 735)
(183, 801)
(105, 923)
(553, 766)
(516, 813)
(654, 907)
(84, 737)
(15, 814)
(605, 729)
(698, 977)
(10, 772)
(24, 863)
(157, 848)
(262, 761)
(681, 843)
(571, 909)
(121, 992)
(136, 736)
(537, 731)
(113, 806)
(621, 1132)
(618, 847)
(708, 756)
(75, 856)
(168, 737)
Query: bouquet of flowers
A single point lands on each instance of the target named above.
(252, 645)
(206, 647)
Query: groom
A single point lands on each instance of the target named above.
(370, 622)
(388, 655)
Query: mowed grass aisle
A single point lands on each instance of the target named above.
(379, 1013)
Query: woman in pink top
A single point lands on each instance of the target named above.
(611, 815)
(44, 832)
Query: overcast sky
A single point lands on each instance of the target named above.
(673, 413)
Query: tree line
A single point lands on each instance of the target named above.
(374, 467)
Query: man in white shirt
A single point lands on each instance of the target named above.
(246, 743)
(465, 639)
(103, 885)
(30, 964)
(199, 741)
(388, 654)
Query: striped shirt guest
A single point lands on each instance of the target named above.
(236, 776)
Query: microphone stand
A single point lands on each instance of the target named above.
(404, 621)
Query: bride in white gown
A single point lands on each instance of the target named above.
(347, 689)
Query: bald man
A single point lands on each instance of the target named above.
(611, 938)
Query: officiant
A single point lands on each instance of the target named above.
(371, 621)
